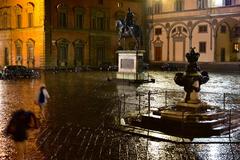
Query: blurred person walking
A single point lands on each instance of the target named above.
(21, 121)
(41, 100)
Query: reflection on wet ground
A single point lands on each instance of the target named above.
(81, 105)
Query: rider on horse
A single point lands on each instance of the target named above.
(129, 19)
(128, 22)
(128, 28)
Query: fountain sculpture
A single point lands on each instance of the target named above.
(192, 80)
(190, 117)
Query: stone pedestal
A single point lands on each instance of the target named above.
(130, 64)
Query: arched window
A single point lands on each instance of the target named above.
(62, 15)
(18, 46)
(79, 17)
(30, 53)
(30, 11)
(98, 20)
(79, 53)
(18, 16)
(62, 47)
(5, 20)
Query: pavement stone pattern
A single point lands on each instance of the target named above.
(72, 142)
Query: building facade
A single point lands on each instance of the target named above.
(84, 32)
(63, 34)
(22, 33)
(211, 26)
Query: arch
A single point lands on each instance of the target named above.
(18, 9)
(162, 25)
(201, 21)
(18, 47)
(18, 42)
(98, 19)
(30, 41)
(227, 21)
(30, 53)
(62, 52)
(78, 42)
(62, 6)
(176, 24)
(62, 40)
(178, 42)
(62, 15)
(79, 10)
(79, 46)
(5, 19)
(30, 7)
(79, 17)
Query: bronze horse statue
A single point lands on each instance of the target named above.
(129, 31)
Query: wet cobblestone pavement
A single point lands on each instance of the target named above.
(110, 144)
(80, 123)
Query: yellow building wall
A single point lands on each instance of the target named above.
(11, 33)
(197, 37)
(223, 37)
(191, 17)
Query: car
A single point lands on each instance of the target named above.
(108, 67)
(18, 71)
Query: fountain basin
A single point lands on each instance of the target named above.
(187, 122)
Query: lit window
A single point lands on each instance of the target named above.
(236, 47)
(119, 4)
(202, 47)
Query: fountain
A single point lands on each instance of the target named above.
(190, 117)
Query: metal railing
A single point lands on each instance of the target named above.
(135, 105)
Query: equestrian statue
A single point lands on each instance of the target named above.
(127, 28)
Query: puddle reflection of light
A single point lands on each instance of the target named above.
(153, 149)
(1, 100)
(3, 147)
(213, 152)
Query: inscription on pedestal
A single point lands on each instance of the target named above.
(127, 63)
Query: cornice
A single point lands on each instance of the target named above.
(192, 18)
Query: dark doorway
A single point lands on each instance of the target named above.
(158, 53)
(6, 56)
(222, 54)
